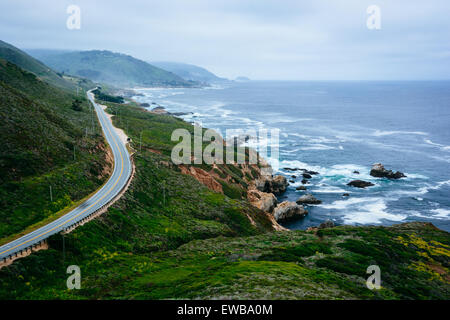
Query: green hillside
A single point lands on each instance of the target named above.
(170, 237)
(26, 62)
(50, 139)
(113, 68)
(190, 72)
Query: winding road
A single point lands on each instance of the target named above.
(115, 184)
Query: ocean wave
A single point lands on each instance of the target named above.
(281, 119)
(317, 147)
(364, 210)
(441, 146)
(317, 139)
(300, 165)
(381, 133)
(440, 213)
(330, 189)
(437, 186)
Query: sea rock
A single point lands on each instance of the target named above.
(304, 181)
(177, 114)
(356, 172)
(293, 176)
(292, 181)
(288, 210)
(306, 176)
(310, 172)
(360, 184)
(346, 195)
(277, 184)
(301, 188)
(308, 199)
(262, 200)
(326, 224)
(159, 110)
(379, 171)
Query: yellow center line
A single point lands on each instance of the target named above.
(109, 191)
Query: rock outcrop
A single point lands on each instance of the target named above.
(379, 171)
(276, 184)
(360, 184)
(326, 224)
(203, 177)
(287, 210)
(159, 110)
(308, 199)
(262, 200)
(306, 176)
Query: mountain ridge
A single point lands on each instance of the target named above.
(114, 68)
(190, 72)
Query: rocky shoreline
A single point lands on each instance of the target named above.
(263, 190)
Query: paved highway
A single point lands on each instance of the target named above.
(117, 181)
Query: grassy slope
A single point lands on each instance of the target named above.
(113, 68)
(170, 237)
(26, 62)
(39, 132)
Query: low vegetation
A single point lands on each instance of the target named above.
(52, 152)
(170, 237)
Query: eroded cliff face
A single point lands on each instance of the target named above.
(244, 182)
(206, 178)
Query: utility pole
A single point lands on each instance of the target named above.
(164, 191)
(64, 249)
(51, 194)
(140, 142)
(73, 152)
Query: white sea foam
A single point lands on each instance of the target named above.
(380, 133)
(317, 147)
(316, 139)
(440, 213)
(300, 165)
(441, 146)
(429, 187)
(330, 189)
(290, 151)
(417, 214)
(364, 210)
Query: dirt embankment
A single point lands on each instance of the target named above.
(242, 177)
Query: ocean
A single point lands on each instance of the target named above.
(337, 128)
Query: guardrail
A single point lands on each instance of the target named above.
(41, 241)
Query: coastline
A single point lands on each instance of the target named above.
(169, 221)
(376, 211)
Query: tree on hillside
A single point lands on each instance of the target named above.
(76, 105)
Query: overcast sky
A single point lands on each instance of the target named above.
(280, 39)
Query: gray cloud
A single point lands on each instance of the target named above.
(308, 40)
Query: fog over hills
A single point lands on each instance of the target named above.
(111, 67)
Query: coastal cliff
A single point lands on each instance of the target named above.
(173, 237)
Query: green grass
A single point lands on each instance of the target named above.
(171, 237)
(40, 134)
(300, 265)
(113, 68)
(28, 63)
